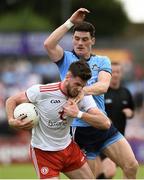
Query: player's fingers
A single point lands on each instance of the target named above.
(77, 100)
(14, 122)
(26, 122)
(84, 10)
(70, 101)
(26, 125)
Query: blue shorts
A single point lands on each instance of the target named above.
(93, 141)
(113, 139)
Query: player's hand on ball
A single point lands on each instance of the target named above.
(21, 123)
(27, 114)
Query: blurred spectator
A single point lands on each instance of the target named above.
(119, 106)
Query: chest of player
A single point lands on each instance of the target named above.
(116, 99)
(52, 114)
(95, 72)
(51, 107)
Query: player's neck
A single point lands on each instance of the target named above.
(114, 85)
(86, 56)
(63, 88)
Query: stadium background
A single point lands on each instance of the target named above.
(23, 62)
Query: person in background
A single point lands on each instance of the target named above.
(90, 139)
(119, 105)
(52, 148)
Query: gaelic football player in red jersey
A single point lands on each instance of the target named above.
(52, 148)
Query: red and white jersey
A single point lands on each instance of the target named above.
(53, 131)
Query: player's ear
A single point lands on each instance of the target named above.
(93, 40)
(68, 75)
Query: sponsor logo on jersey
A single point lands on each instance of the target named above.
(95, 67)
(108, 101)
(44, 170)
(124, 102)
(57, 124)
(53, 101)
(82, 159)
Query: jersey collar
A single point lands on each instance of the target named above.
(79, 57)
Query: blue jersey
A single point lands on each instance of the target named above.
(97, 64)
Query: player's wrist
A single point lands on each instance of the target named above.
(68, 24)
(79, 115)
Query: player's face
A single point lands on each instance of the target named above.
(82, 43)
(116, 74)
(74, 86)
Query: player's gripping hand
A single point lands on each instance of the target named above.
(78, 98)
(79, 15)
(21, 123)
(128, 112)
(71, 109)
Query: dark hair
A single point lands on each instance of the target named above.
(85, 27)
(80, 69)
(115, 63)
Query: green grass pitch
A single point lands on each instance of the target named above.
(26, 171)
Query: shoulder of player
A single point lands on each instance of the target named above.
(52, 87)
(126, 90)
(97, 56)
(69, 53)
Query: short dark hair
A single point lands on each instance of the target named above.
(80, 69)
(85, 27)
(115, 63)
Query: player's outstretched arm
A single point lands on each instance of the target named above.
(55, 51)
(97, 118)
(93, 116)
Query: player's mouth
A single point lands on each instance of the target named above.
(80, 48)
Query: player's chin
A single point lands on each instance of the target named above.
(74, 94)
(80, 52)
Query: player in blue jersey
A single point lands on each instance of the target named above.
(91, 140)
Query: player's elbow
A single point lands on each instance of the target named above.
(105, 88)
(49, 45)
(46, 44)
(106, 124)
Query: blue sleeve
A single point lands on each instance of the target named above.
(105, 64)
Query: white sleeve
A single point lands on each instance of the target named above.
(86, 103)
(33, 93)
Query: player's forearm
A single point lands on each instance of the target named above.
(57, 35)
(96, 89)
(13, 101)
(99, 121)
(10, 106)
